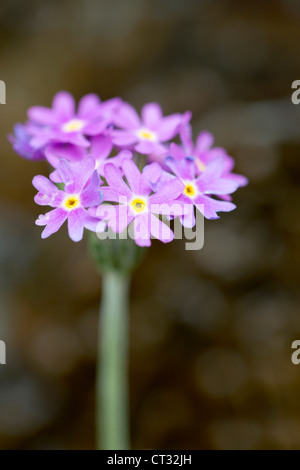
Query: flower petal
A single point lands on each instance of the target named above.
(204, 141)
(240, 179)
(120, 219)
(219, 186)
(54, 152)
(169, 192)
(146, 147)
(42, 115)
(209, 206)
(150, 175)
(66, 173)
(123, 137)
(177, 152)
(53, 221)
(91, 195)
(76, 177)
(114, 179)
(160, 230)
(142, 230)
(185, 133)
(101, 146)
(95, 128)
(188, 219)
(169, 127)
(212, 172)
(173, 209)
(127, 117)
(74, 138)
(64, 105)
(44, 185)
(91, 223)
(183, 169)
(211, 181)
(75, 224)
(133, 175)
(151, 115)
(111, 195)
(89, 106)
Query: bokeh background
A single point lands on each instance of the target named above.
(211, 331)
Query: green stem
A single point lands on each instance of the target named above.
(112, 368)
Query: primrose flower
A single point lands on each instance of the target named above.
(197, 191)
(146, 135)
(20, 141)
(81, 191)
(62, 124)
(137, 204)
(203, 153)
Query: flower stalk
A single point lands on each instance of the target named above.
(112, 368)
(115, 259)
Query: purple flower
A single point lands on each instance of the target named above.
(62, 124)
(20, 141)
(137, 204)
(81, 191)
(203, 153)
(148, 134)
(197, 191)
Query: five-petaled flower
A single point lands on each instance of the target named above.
(203, 153)
(146, 135)
(197, 191)
(62, 124)
(137, 204)
(81, 191)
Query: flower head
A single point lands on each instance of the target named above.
(203, 153)
(147, 134)
(197, 191)
(63, 124)
(137, 204)
(81, 191)
(97, 140)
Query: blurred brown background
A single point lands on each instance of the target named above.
(211, 331)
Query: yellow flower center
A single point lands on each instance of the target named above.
(146, 134)
(138, 205)
(73, 125)
(71, 202)
(190, 190)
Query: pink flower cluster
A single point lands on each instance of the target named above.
(113, 168)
